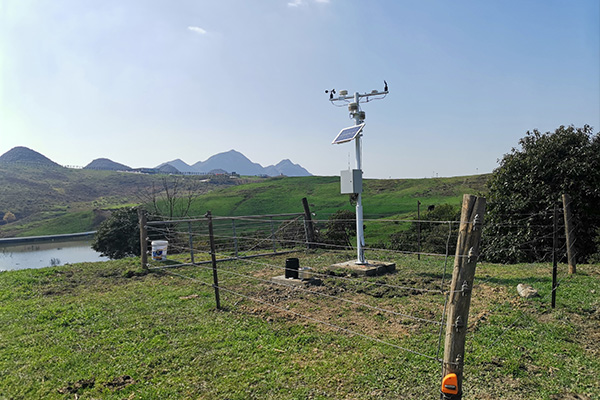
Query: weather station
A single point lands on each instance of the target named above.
(351, 179)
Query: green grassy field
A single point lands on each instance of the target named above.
(381, 197)
(54, 200)
(57, 200)
(105, 330)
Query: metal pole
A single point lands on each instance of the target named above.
(554, 257)
(235, 239)
(360, 234)
(191, 242)
(143, 238)
(418, 230)
(273, 236)
(213, 259)
(357, 114)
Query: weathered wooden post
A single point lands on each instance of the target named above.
(308, 224)
(143, 219)
(467, 252)
(214, 259)
(569, 233)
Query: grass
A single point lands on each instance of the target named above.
(58, 200)
(52, 200)
(107, 330)
(381, 196)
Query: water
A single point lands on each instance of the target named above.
(47, 254)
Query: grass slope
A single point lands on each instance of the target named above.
(53, 200)
(103, 331)
(383, 197)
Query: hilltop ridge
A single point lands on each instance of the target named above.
(231, 161)
(25, 155)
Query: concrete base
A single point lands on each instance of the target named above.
(281, 279)
(371, 268)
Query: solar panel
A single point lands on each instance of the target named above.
(347, 134)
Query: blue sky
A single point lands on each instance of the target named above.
(146, 81)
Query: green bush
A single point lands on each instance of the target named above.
(119, 235)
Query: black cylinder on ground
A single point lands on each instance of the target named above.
(291, 268)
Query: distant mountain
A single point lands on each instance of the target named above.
(287, 168)
(179, 165)
(168, 169)
(230, 161)
(104, 164)
(25, 155)
(234, 161)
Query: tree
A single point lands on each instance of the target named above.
(341, 226)
(434, 235)
(119, 235)
(9, 217)
(173, 197)
(529, 182)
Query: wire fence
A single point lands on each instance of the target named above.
(251, 253)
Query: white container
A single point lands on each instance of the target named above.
(305, 273)
(159, 250)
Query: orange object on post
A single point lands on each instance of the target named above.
(450, 384)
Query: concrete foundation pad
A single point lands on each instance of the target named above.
(281, 279)
(371, 268)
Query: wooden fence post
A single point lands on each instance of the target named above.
(569, 233)
(459, 302)
(143, 219)
(214, 259)
(310, 228)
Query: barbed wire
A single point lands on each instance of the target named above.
(271, 236)
(329, 324)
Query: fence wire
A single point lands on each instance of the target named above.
(243, 243)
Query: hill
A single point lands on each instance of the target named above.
(49, 199)
(234, 161)
(107, 165)
(381, 197)
(23, 155)
(179, 165)
(231, 161)
(53, 199)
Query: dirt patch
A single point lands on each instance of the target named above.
(369, 308)
(120, 382)
(72, 388)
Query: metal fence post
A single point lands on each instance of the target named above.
(554, 256)
(143, 238)
(235, 239)
(191, 242)
(213, 258)
(273, 236)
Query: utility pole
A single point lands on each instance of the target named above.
(355, 133)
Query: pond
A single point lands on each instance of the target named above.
(40, 254)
